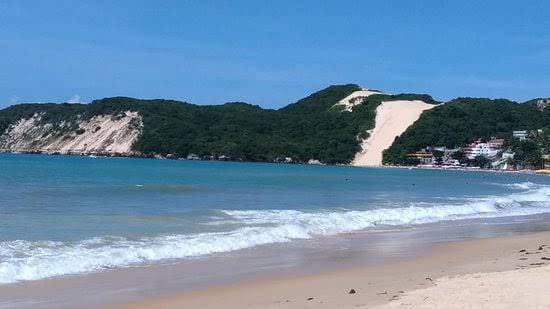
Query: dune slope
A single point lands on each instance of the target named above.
(392, 119)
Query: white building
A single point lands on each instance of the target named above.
(508, 155)
(481, 149)
(521, 135)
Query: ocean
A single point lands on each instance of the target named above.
(68, 215)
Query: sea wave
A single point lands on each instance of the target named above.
(32, 260)
(521, 185)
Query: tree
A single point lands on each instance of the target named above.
(438, 155)
(481, 161)
(528, 152)
(458, 155)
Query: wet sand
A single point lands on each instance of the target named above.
(381, 266)
(490, 272)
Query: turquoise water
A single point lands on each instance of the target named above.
(68, 215)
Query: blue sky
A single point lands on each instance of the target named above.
(270, 52)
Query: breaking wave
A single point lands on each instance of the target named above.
(33, 260)
(521, 185)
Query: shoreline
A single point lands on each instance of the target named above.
(373, 263)
(158, 157)
(399, 234)
(459, 169)
(393, 284)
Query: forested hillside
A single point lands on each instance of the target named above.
(460, 121)
(311, 128)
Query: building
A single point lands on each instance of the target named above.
(193, 156)
(496, 143)
(424, 157)
(451, 163)
(521, 135)
(508, 155)
(224, 158)
(479, 148)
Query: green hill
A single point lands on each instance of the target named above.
(311, 128)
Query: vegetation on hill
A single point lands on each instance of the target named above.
(530, 152)
(311, 128)
(461, 121)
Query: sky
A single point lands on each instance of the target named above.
(270, 53)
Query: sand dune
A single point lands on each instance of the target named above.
(392, 119)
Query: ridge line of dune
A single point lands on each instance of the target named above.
(356, 98)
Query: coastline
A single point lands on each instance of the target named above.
(377, 264)
(393, 284)
(238, 155)
(459, 169)
(159, 157)
(305, 254)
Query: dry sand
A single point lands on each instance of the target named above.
(524, 288)
(392, 119)
(487, 273)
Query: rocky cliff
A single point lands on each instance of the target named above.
(101, 134)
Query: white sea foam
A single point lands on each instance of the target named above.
(521, 185)
(27, 260)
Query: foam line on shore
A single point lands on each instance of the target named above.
(33, 260)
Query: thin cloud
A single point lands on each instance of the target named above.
(75, 99)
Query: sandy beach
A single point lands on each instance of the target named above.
(391, 269)
(403, 235)
(503, 272)
(283, 155)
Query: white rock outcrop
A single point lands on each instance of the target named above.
(102, 134)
